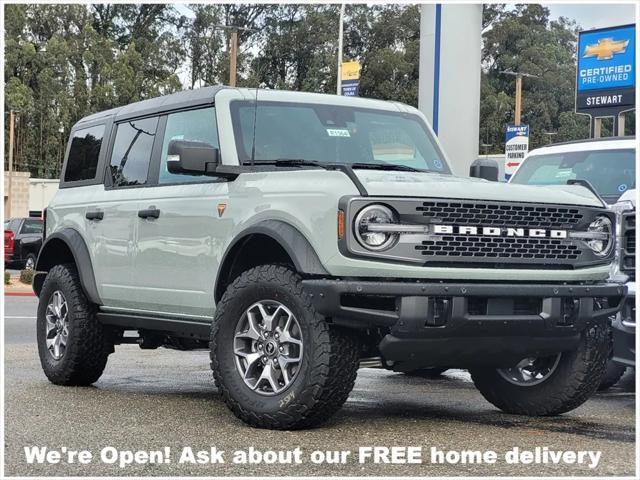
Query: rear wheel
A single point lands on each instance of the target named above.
(274, 358)
(548, 385)
(30, 263)
(73, 346)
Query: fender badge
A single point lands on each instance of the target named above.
(221, 209)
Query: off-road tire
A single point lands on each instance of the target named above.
(574, 380)
(427, 372)
(613, 373)
(88, 344)
(329, 365)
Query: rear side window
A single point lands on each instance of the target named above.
(132, 152)
(83, 154)
(32, 226)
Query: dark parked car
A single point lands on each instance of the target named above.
(22, 242)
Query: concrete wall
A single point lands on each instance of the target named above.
(19, 195)
(449, 84)
(41, 191)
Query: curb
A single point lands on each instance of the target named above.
(19, 294)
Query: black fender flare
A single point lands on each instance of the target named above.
(78, 248)
(304, 257)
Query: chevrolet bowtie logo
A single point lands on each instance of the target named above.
(606, 48)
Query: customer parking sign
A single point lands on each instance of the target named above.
(516, 147)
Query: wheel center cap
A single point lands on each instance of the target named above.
(270, 348)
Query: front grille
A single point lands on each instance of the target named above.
(544, 250)
(484, 234)
(628, 254)
(500, 247)
(492, 214)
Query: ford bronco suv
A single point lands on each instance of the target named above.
(295, 234)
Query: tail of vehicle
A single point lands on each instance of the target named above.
(8, 244)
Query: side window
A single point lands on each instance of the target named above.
(32, 226)
(195, 125)
(132, 152)
(83, 154)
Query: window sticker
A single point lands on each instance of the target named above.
(622, 188)
(563, 173)
(338, 132)
(437, 163)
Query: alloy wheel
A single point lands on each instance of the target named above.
(531, 371)
(268, 347)
(57, 327)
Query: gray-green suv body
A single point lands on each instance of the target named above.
(296, 235)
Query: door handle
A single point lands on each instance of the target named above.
(94, 215)
(150, 212)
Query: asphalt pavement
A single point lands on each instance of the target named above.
(152, 399)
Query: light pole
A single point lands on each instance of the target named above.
(340, 46)
(12, 115)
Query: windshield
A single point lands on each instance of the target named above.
(333, 134)
(611, 172)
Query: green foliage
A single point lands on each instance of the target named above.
(7, 278)
(64, 61)
(26, 275)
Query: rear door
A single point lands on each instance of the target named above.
(177, 254)
(112, 216)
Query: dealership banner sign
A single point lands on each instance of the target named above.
(350, 79)
(516, 147)
(606, 73)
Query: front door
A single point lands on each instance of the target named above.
(178, 247)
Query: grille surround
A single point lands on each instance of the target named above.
(481, 251)
(628, 241)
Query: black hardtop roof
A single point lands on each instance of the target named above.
(174, 101)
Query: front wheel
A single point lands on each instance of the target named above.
(548, 385)
(276, 361)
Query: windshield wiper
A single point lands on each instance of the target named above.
(386, 166)
(290, 162)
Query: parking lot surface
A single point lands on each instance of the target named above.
(151, 399)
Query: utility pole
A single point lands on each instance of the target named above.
(518, 109)
(12, 114)
(233, 57)
(340, 47)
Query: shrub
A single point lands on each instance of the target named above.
(26, 276)
(7, 278)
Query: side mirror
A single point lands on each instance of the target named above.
(192, 158)
(486, 168)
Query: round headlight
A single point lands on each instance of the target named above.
(369, 238)
(603, 244)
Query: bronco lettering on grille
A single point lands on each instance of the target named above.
(498, 231)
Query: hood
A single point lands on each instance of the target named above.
(629, 196)
(419, 184)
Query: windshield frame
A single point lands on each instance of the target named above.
(609, 197)
(244, 157)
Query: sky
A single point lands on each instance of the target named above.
(595, 15)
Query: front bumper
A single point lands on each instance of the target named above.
(460, 325)
(624, 330)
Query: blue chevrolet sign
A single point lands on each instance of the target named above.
(606, 69)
